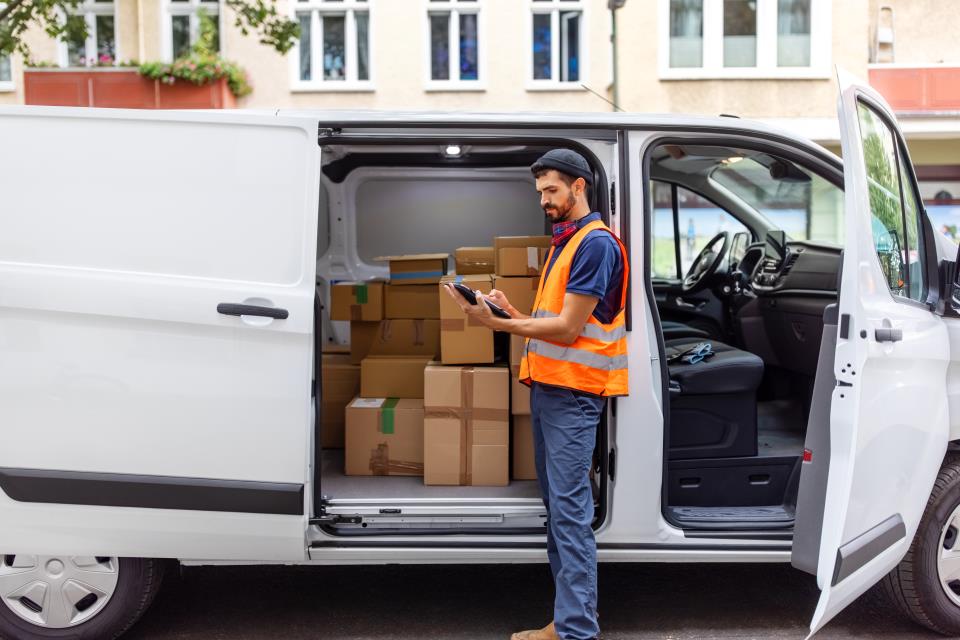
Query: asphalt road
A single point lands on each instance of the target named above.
(485, 602)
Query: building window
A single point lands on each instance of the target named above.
(100, 45)
(182, 25)
(557, 43)
(6, 74)
(334, 47)
(454, 36)
(745, 39)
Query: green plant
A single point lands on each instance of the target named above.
(202, 65)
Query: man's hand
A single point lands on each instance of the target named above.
(480, 311)
(499, 298)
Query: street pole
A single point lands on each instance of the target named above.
(614, 5)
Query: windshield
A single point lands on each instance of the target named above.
(790, 197)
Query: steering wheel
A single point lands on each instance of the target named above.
(707, 262)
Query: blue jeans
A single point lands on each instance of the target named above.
(564, 435)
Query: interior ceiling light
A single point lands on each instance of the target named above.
(452, 151)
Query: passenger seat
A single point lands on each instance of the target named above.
(713, 403)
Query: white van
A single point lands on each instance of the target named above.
(163, 277)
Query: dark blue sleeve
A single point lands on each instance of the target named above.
(593, 265)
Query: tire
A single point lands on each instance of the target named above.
(138, 581)
(914, 585)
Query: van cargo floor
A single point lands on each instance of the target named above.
(338, 486)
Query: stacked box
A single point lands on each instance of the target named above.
(473, 260)
(463, 340)
(339, 383)
(384, 437)
(395, 337)
(520, 255)
(356, 301)
(520, 291)
(411, 301)
(519, 393)
(392, 376)
(466, 426)
(524, 464)
(421, 268)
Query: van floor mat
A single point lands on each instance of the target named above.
(764, 517)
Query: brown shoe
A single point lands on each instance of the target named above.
(547, 633)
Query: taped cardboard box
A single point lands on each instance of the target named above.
(519, 393)
(411, 301)
(524, 463)
(409, 337)
(473, 260)
(339, 384)
(466, 427)
(356, 301)
(516, 349)
(384, 437)
(521, 292)
(520, 255)
(392, 376)
(463, 340)
(420, 268)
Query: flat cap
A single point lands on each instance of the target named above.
(566, 161)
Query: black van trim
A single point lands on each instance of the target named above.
(495, 544)
(151, 492)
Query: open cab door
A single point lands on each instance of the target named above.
(888, 414)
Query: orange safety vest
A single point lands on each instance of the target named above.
(596, 362)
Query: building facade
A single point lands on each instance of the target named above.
(771, 60)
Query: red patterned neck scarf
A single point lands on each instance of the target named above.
(562, 232)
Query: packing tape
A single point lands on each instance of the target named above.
(466, 427)
(412, 275)
(387, 416)
(356, 312)
(458, 280)
(386, 330)
(382, 465)
(360, 293)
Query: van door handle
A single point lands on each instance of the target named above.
(888, 334)
(233, 309)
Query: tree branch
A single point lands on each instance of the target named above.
(8, 9)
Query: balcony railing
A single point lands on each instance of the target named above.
(121, 89)
(921, 89)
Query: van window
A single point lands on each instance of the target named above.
(437, 214)
(666, 264)
(895, 219)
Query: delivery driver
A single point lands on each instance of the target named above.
(575, 356)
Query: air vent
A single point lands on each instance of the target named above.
(791, 260)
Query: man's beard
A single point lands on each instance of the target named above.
(562, 210)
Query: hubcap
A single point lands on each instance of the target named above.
(57, 592)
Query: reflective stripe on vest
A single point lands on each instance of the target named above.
(596, 362)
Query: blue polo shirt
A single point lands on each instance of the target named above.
(596, 270)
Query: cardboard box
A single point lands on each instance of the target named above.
(466, 429)
(384, 437)
(524, 463)
(516, 349)
(404, 337)
(463, 340)
(339, 384)
(392, 376)
(519, 393)
(520, 255)
(473, 260)
(521, 292)
(356, 301)
(411, 301)
(420, 268)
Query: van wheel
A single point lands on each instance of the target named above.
(75, 597)
(925, 586)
